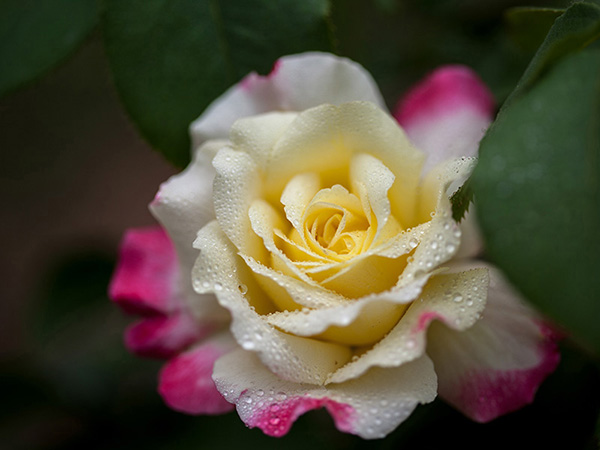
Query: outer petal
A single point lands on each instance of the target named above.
(446, 114)
(370, 407)
(165, 336)
(455, 299)
(185, 382)
(297, 82)
(497, 365)
(146, 276)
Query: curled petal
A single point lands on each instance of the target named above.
(370, 407)
(496, 366)
(446, 114)
(185, 382)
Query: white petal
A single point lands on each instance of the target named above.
(297, 82)
(370, 407)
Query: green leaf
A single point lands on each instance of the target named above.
(171, 58)
(36, 35)
(537, 186)
(578, 27)
(461, 200)
(528, 26)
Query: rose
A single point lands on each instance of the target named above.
(349, 284)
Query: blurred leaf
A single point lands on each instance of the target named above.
(578, 27)
(171, 58)
(529, 26)
(36, 35)
(537, 187)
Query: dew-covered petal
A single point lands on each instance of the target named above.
(324, 139)
(446, 114)
(165, 336)
(298, 193)
(497, 365)
(297, 82)
(372, 180)
(145, 279)
(185, 382)
(258, 134)
(184, 202)
(371, 406)
(456, 299)
(237, 184)
(221, 271)
(440, 183)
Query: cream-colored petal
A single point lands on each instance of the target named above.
(265, 220)
(297, 194)
(288, 292)
(371, 406)
(372, 180)
(353, 322)
(237, 184)
(221, 271)
(323, 140)
(257, 135)
(457, 299)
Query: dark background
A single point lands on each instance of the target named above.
(74, 174)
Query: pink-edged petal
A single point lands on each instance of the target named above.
(456, 299)
(496, 366)
(371, 406)
(296, 83)
(144, 281)
(185, 382)
(165, 336)
(447, 113)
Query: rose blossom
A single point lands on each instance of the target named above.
(311, 260)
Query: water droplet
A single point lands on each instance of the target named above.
(248, 400)
(218, 286)
(457, 298)
(450, 248)
(243, 288)
(413, 243)
(434, 245)
(260, 393)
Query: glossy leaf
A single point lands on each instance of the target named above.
(36, 35)
(537, 188)
(578, 27)
(171, 58)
